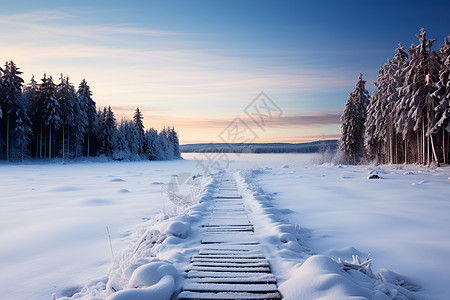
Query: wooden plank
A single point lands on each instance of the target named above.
(229, 287)
(212, 274)
(231, 269)
(227, 259)
(266, 278)
(229, 264)
(229, 295)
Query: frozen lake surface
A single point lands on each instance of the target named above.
(54, 217)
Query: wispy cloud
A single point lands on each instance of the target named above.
(45, 21)
(163, 72)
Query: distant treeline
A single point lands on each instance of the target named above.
(48, 120)
(312, 147)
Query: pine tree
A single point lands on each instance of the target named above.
(1, 101)
(353, 119)
(168, 146)
(173, 138)
(22, 133)
(87, 106)
(134, 138)
(151, 144)
(138, 120)
(50, 112)
(374, 125)
(121, 148)
(415, 106)
(110, 131)
(66, 98)
(10, 97)
(380, 135)
(442, 97)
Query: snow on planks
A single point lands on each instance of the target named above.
(229, 264)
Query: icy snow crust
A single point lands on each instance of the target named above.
(316, 225)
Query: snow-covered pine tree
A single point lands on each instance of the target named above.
(138, 120)
(10, 97)
(380, 136)
(173, 138)
(135, 140)
(374, 125)
(1, 101)
(441, 116)
(121, 148)
(100, 134)
(50, 109)
(163, 146)
(169, 148)
(388, 109)
(66, 98)
(89, 115)
(78, 130)
(353, 119)
(151, 144)
(415, 101)
(110, 131)
(22, 133)
(35, 109)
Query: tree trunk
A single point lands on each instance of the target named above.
(423, 141)
(406, 151)
(443, 145)
(7, 137)
(418, 147)
(63, 150)
(40, 144)
(428, 151)
(68, 140)
(44, 141)
(22, 149)
(434, 150)
(88, 145)
(391, 154)
(396, 147)
(50, 143)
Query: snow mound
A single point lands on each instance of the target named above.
(322, 277)
(155, 280)
(178, 229)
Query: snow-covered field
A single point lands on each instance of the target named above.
(54, 219)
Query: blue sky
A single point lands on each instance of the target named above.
(197, 64)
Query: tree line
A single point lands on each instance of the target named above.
(48, 120)
(406, 118)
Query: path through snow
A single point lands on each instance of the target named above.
(236, 244)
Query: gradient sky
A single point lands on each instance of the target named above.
(196, 65)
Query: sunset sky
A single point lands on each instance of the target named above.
(196, 65)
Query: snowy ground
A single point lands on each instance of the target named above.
(53, 222)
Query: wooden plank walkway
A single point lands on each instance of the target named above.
(229, 264)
